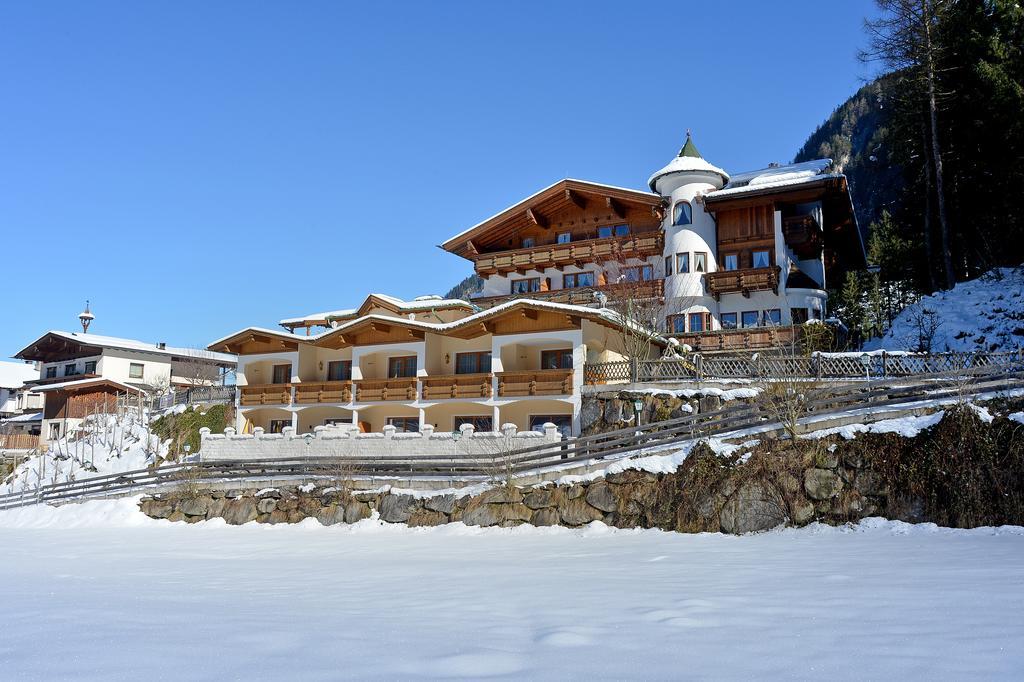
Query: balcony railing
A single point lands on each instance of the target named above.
(18, 441)
(743, 281)
(457, 386)
(373, 390)
(748, 338)
(803, 235)
(323, 392)
(586, 251)
(653, 288)
(265, 394)
(535, 382)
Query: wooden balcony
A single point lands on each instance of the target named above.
(323, 392)
(473, 386)
(654, 288)
(265, 394)
(803, 235)
(535, 382)
(559, 255)
(373, 390)
(743, 281)
(749, 338)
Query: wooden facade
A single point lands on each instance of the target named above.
(80, 404)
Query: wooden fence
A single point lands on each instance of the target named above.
(866, 366)
(763, 415)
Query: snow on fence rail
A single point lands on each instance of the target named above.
(870, 365)
(549, 456)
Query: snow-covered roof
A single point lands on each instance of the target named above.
(777, 177)
(527, 200)
(27, 417)
(269, 332)
(15, 374)
(85, 383)
(688, 160)
(418, 304)
(132, 344)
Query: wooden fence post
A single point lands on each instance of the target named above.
(633, 371)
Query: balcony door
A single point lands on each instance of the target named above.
(402, 367)
(282, 374)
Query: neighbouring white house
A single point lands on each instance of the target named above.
(728, 257)
(429, 361)
(79, 372)
(15, 397)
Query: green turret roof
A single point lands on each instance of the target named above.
(690, 149)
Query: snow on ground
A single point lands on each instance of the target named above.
(99, 592)
(983, 314)
(107, 444)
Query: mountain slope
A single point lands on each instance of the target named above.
(855, 136)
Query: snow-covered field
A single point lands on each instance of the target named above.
(100, 592)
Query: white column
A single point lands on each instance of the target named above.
(295, 421)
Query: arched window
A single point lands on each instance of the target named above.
(682, 214)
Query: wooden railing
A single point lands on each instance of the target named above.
(18, 441)
(748, 338)
(457, 386)
(653, 288)
(323, 392)
(738, 418)
(847, 366)
(743, 281)
(535, 382)
(587, 251)
(372, 390)
(266, 394)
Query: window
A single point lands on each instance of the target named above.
(732, 261)
(278, 425)
(282, 374)
(135, 370)
(69, 370)
(479, 423)
(577, 280)
(556, 359)
(799, 315)
(638, 273)
(51, 372)
(339, 370)
(682, 263)
(697, 322)
(402, 367)
(761, 259)
(612, 230)
(473, 363)
(815, 313)
(749, 318)
(564, 237)
(562, 421)
(773, 317)
(90, 367)
(682, 214)
(676, 324)
(337, 421)
(526, 286)
(529, 242)
(405, 424)
(700, 262)
(728, 320)
(668, 266)
(54, 431)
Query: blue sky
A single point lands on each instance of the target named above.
(193, 167)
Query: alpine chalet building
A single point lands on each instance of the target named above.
(729, 258)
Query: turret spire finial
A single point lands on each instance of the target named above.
(85, 317)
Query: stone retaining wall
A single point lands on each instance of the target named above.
(774, 483)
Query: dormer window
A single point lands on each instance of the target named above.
(682, 214)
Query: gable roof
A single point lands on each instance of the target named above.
(95, 343)
(555, 197)
(392, 303)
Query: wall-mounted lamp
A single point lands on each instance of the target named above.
(447, 358)
(321, 365)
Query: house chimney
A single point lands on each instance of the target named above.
(162, 345)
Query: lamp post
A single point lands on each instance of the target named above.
(188, 449)
(638, 406)
(308, 438)
(865, 360)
